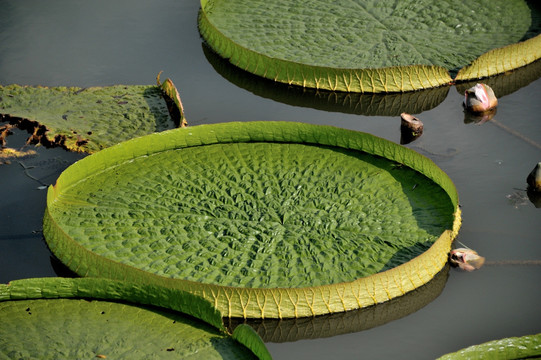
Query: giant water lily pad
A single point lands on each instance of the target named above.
(90, 119)
(264, 219)
(370, 46)
(57, 318)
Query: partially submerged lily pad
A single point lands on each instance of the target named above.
(89, 119)
(268, 219)
(524, 347)
(370, 46)
(52, 318)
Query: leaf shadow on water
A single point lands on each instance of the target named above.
(369, 104)
(324, 326)
(60, 269)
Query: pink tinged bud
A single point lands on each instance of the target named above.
(466, 259)
(480, 98)
(481, 94)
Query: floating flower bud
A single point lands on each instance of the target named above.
(480, 99)
(466, 259)
(534, 178)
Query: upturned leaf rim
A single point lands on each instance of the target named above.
(260, 302)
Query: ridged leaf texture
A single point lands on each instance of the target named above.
(263, 219)
(364, 46)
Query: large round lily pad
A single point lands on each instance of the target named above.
(56, 318)
(264, 219)
(370, 46)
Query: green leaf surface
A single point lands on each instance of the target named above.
(260, 206)
(525, 347)
(113, 290)
(87, 119)
(52, 318)
(257, 214)
(361, 46)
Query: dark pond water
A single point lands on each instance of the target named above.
(97, 43)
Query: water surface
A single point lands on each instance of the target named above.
(77, 43)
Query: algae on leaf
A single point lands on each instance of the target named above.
(364, 46)
(87, 119)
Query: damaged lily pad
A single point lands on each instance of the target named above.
(371, 46)
(263, 219)
(61, 318)
(89, 119)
